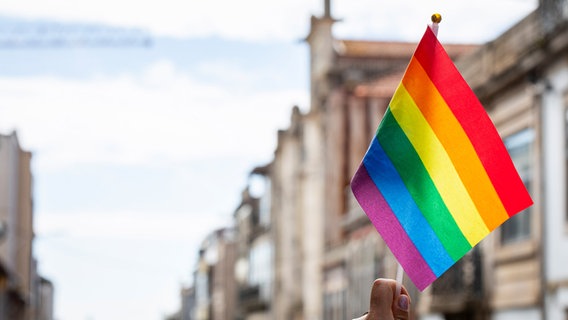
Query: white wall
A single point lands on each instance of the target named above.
(313, 223)
(554, 174)
(432, 317)
(557, 304)
(518, 314)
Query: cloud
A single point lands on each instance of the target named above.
(128, 225)
(158, 116)
(471, 21)
(247, 19)
(194, 133)
(289, 20)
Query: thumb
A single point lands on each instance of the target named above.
(386, 303)
(381, 300)
(401, 307)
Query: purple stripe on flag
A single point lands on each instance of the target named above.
(384, 220)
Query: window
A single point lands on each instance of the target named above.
(260, 188)
(361, 272)
(519, 145)
(260, 267)
(334, 305)
(334, 299)
(566, 151)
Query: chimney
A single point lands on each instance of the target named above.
(327, 9)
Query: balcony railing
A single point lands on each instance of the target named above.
(459, 290)
(251, 300)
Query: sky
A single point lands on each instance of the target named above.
(139, 152)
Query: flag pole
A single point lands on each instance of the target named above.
(436, 19)
(399, 276)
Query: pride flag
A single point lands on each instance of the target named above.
(437, 177)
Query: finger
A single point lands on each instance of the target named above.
(382, 295)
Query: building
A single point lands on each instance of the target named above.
(23, 293)
(214, 277)
(186, 310)
(255, 262)
(522, 79)
(351, 84)
(233, 278)
(518, 271)
(45, 299)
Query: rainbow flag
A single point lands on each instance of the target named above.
(437, 177)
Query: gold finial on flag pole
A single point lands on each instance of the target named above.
(436, 19)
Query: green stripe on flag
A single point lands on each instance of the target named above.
(421, 187)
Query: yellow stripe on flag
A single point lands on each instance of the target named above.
(439, 166)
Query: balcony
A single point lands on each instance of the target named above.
(458, 292)
(251, 300)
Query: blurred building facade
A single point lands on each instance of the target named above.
(255, 263)
(214, 277)
(187, 308)
(522, 80)
(24, 295)
(324, 252)
(351, 85)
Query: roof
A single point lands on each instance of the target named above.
(385, 85)
(382, 87)
(390, 49)
(373, 49)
